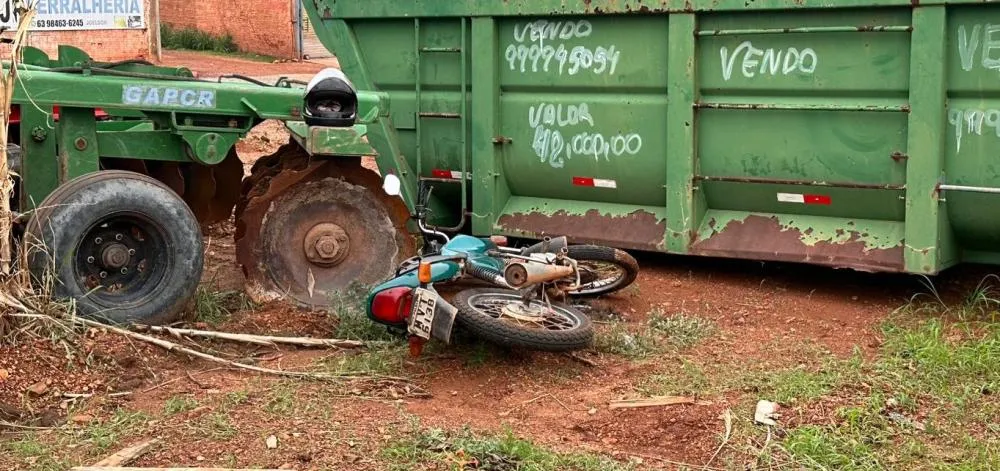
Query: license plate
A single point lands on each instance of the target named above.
(422, 317)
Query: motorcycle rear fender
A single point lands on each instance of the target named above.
(441, 271)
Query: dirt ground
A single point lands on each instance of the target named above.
(766, 316)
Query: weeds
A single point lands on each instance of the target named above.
(375, 361)
(110, 432)
(219, 427)
(282, 401)
(194, 40)
(502, 452)
(178, 404)
(660, 332)
(215, 307)
(681, 329)
(352, 318)
(931, 404)
(620, 340)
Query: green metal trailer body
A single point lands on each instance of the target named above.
(849, 133)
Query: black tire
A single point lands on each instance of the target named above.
(589, 255)
(472, 317)
(153, 266)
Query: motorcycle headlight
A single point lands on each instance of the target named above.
(331, 100)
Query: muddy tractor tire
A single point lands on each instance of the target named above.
(308, 228)
(123, 245)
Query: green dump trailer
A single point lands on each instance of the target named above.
(861, 134)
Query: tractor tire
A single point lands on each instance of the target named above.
(123, 245)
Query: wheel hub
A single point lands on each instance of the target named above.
(114, 255)
(521, 312)
(326, 245)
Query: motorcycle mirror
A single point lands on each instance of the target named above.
(391, 185)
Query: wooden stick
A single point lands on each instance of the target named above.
(650, 402)
(127, 455)
(585, 361)
(173, 347)
(254, 339)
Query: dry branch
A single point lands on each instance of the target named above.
(7, 81)
(127, 455)
(254, 339)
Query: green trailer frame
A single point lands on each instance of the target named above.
(901, 189)
(157, 114)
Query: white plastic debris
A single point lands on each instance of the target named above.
(766, 413)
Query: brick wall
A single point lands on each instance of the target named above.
(259, 26)
(104, 45)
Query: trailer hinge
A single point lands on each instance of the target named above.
(501, 140)
(899, 156)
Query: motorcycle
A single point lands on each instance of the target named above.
(520, 313)
(602, 270)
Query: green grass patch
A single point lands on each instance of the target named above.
(107, 433)
(506, 451)
(349, 308)
(659, 334)
(194, 40)
(932, 404)
(281, 401)
(177, 404)
(215, 307)
(33, 455)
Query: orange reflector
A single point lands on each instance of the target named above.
(424, 273)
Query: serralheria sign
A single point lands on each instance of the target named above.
(53, 15)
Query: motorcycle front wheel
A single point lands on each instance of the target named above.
(500, 316)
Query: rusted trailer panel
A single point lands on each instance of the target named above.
(849, 133)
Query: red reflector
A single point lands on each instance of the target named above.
(583, 181)
(438, 173)
(501, 241)
(393, 305)
(818, 199)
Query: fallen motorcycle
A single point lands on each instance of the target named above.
(602, 270)
(521, 314)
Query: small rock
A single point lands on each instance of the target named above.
(854, 298)
(38, 389)
(271, 442)
(592, 411)
(677, 284)
(81, 419)
(4, 374)
(454, 393)
(199, 458)
(287, 466)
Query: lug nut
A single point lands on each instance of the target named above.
(124, 271)
(104, 274)
(131, 251)
(90, 259)
(118, 237)
(98, 241)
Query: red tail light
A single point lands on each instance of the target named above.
(501, 241)
(393, 306)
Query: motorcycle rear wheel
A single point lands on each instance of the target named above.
(603, 270)
(501, 317)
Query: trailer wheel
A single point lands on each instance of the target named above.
(122, 244)
(308, 228)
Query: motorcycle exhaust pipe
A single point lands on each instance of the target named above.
(520, 274)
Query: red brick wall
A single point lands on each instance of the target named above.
(104, 45)
(259, 26)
